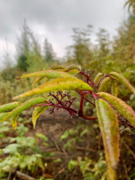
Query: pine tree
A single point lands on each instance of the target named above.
(49, 55)
(23, 47)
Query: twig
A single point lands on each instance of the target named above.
(125, 168)
(9, 176)
(64, 152)
(85, 149)
(128, 149)
(56, 145)
(22, 175)
(99, 145)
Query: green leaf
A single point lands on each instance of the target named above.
(114, 89)
(11, 148)
(42, 136)
(65, 135)
(57, 160)
(121, 106)
(9, 106)
(58, 85)
(97, 78)
(109, 128)
(84, 132)
(104, 83)
(23, 107)
(72, 164)
(123, 80)
(36, 113)
(2, 135)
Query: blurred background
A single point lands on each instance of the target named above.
(34, 35)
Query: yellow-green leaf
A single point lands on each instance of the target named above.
(2, 115)
(123, 80)
(23, 107)
(103, 84)
(14, 121)
(9, 106)
(121, 106)
(98, 76)
(58, 85)
(37, 80)
(109, 129)
(51, 74)
(56, 67)
(114, 89)
(72, 66)
(36, 113)
(74, 72)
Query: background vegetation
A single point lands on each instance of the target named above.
(70, 155)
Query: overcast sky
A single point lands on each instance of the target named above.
(54, 20)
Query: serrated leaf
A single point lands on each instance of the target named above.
(123, 80)
(23, 107)
(114, 89)
(36, 113)
(97, 77)
(9, 106)
(51, 74)
(103, 83)
(121, 106)
(58, 85)
(109, 128)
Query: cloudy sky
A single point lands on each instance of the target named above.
(54, 20)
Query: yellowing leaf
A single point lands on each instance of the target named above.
(123, 80)
(14, 121)
(37, 80)
(9, 106)
(121, 106)
(72, 66)
(51, 74)
(103, 84)
(109, 128)
(98, 76)
(36, 113)
(114, 89)
(74, 72)
(58, 85)
(23, 107)
(56, 67)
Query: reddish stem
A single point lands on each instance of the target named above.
(81, 108)
(88, 79)
(102, 78)
(86, 98)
